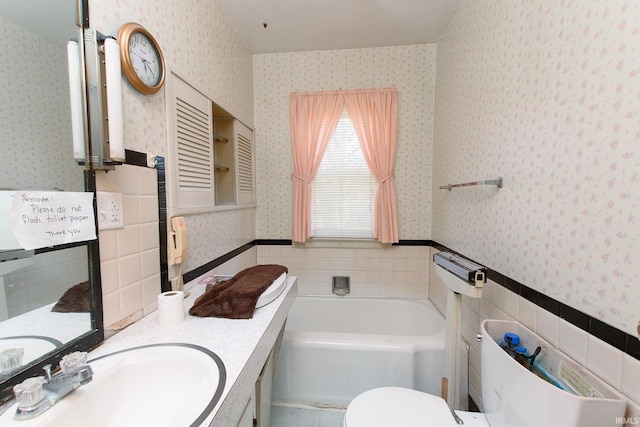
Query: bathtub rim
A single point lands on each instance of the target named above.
(350, 338)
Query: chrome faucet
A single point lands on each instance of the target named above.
(36, 395)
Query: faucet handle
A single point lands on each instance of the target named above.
(29, 392)
(73, 361)
(11, 359)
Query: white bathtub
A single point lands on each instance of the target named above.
(334, 348)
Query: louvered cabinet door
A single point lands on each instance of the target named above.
(211, 156)
(245, 185)
(191, 147)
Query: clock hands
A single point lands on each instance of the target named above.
(148, 68)
(146, 62)
(140, 54)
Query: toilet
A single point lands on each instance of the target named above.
(511, 394)
(400, 407)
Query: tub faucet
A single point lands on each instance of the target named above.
(36, 395)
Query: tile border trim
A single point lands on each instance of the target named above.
(613, 336)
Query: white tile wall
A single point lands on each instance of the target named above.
(618, 369)
(130, 256)
(367, 267)
(390, 271)
(45, 280)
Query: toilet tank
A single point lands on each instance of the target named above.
(512, 395)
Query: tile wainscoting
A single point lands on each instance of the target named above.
(405, 270)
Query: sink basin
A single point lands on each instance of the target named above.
(273, 291)
(155, 385)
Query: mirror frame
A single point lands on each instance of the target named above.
(95, 335)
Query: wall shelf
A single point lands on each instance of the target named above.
(220, 138)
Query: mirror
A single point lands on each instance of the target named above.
(37, 154)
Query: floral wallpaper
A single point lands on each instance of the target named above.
(411, 69)
(200, 43)
(35, 120)
(547, 95)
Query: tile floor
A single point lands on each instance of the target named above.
(283, 415)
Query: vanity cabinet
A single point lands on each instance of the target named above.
(263, 390)
(257, 412)
(247, 416)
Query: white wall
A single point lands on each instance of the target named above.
(544, 94)
(26, 92)
(411, 69)
(199, 41)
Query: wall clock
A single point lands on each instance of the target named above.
(141, 58)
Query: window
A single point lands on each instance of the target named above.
(313, 117)
(343, 190)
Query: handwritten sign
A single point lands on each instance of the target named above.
(46, 218)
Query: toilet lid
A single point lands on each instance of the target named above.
(398, 407)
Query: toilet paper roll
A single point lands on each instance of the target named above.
(167, 318)
(171, 307)
(171, 298)
(170, 319)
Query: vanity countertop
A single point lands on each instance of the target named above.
(243, 345)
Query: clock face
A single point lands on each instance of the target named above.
(145, 59)
(141, 58)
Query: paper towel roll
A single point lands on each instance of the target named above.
(171, 307)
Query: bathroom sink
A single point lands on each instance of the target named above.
(273, 291)
(155, 385)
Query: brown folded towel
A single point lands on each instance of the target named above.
(236, 298)
(74, 300)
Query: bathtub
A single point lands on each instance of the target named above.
(335, 348)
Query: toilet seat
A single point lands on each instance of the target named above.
(398, 407)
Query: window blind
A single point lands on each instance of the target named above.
(343, 190)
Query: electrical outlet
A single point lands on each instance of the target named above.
(110, 210)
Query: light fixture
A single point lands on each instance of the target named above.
(113, 75)
(75, 93)
(103, 92)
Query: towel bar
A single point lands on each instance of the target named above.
(496, 182)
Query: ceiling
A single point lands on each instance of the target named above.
(52, 20)
(270, 26)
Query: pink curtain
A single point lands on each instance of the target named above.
(374, 114)
(313, 119)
